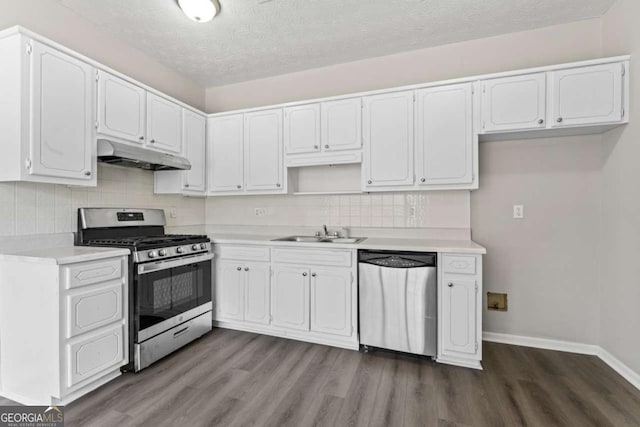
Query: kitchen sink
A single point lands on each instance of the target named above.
(320, 239)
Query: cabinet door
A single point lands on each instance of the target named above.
(342, 124)
(263, 162)
(588, 95)
(225, 154)
(61, 137)
(514, 103)
(459, 310)
(121, 108)
(331, 301)
(302, 129)
(444, 135)
(229, 291)
(194, 138)
(257, 293)
(164, 124)
(388, 139)
(290, 298)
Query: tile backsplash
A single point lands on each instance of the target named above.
(447, 209)
(29, 208)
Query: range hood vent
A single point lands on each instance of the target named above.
(117, 153)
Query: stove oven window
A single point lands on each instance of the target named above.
(164, 294)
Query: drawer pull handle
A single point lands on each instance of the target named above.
(450, 285)
(313, 274)
(176, 334)
(304, 274)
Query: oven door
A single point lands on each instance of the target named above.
(171, 292)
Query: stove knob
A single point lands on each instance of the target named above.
(195, 247)
(203, 246)
(162, 252)
(180, 250)
(151, 254)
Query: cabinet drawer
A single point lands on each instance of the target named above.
(312, 257)
(97, 306)
(88, 273)
(95, 354)
(247, 253)
(459, 264)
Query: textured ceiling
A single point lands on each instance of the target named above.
(259, 38)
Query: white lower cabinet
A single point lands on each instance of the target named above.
(460, 318)
(309, 297)
(78, 336)
(290, 297)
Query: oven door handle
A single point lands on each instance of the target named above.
(150, 267)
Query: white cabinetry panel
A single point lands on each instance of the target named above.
(229, 290)
(257, 293)
(194, 128)
(514, 103)
(331, 301)
(121, 108)
(459, 316)
(164, 124)
(61, 89)
(302, 129)
(263, 152)
(290, 297)
(388, 140)
(225, 154)
(444, 137)
(91, 309)
(342, 124)
(587, 95)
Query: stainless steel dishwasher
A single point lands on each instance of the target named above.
(397, 295)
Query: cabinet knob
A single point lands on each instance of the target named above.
(541, 121)
(141, 138)
(450, 285)
(246, 269)
(304, 274)
(423, 180)
(186, 186)
(239, 268)
(315, 147)
(313, 274)
(239, 186)
(87, 173)
(153, 141)
(369, 182)
(326, 146)
(278, 185)
(559, 120)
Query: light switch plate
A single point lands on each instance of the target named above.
(260, 211)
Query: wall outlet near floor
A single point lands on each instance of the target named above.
(260, 211)
(496, 301)
(518, 211)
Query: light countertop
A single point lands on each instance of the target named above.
(379, 243)
(64, 254)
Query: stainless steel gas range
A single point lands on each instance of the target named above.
(170, 278)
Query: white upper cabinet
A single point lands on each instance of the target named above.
(164, 124)
(388, 140)
(194, 138)
(342, 124)
(514, 103)
(444, 135)
(302, 129)
(263, 151)
(587, 95)
(121, 108)
(225, 154)
(290, 297)
(61, 94)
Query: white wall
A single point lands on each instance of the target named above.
(52, 20)
(620, 282)
(548, 262)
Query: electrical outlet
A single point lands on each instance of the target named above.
(518, 211)
(260, 211)
(412, 211)
(173, 212)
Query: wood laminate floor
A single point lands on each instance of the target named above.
(231, 378)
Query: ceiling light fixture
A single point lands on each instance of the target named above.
(200, 10)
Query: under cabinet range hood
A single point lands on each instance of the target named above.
(117, 153)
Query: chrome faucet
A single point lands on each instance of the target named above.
(324, 228)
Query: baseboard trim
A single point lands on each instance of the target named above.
(568, 346)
